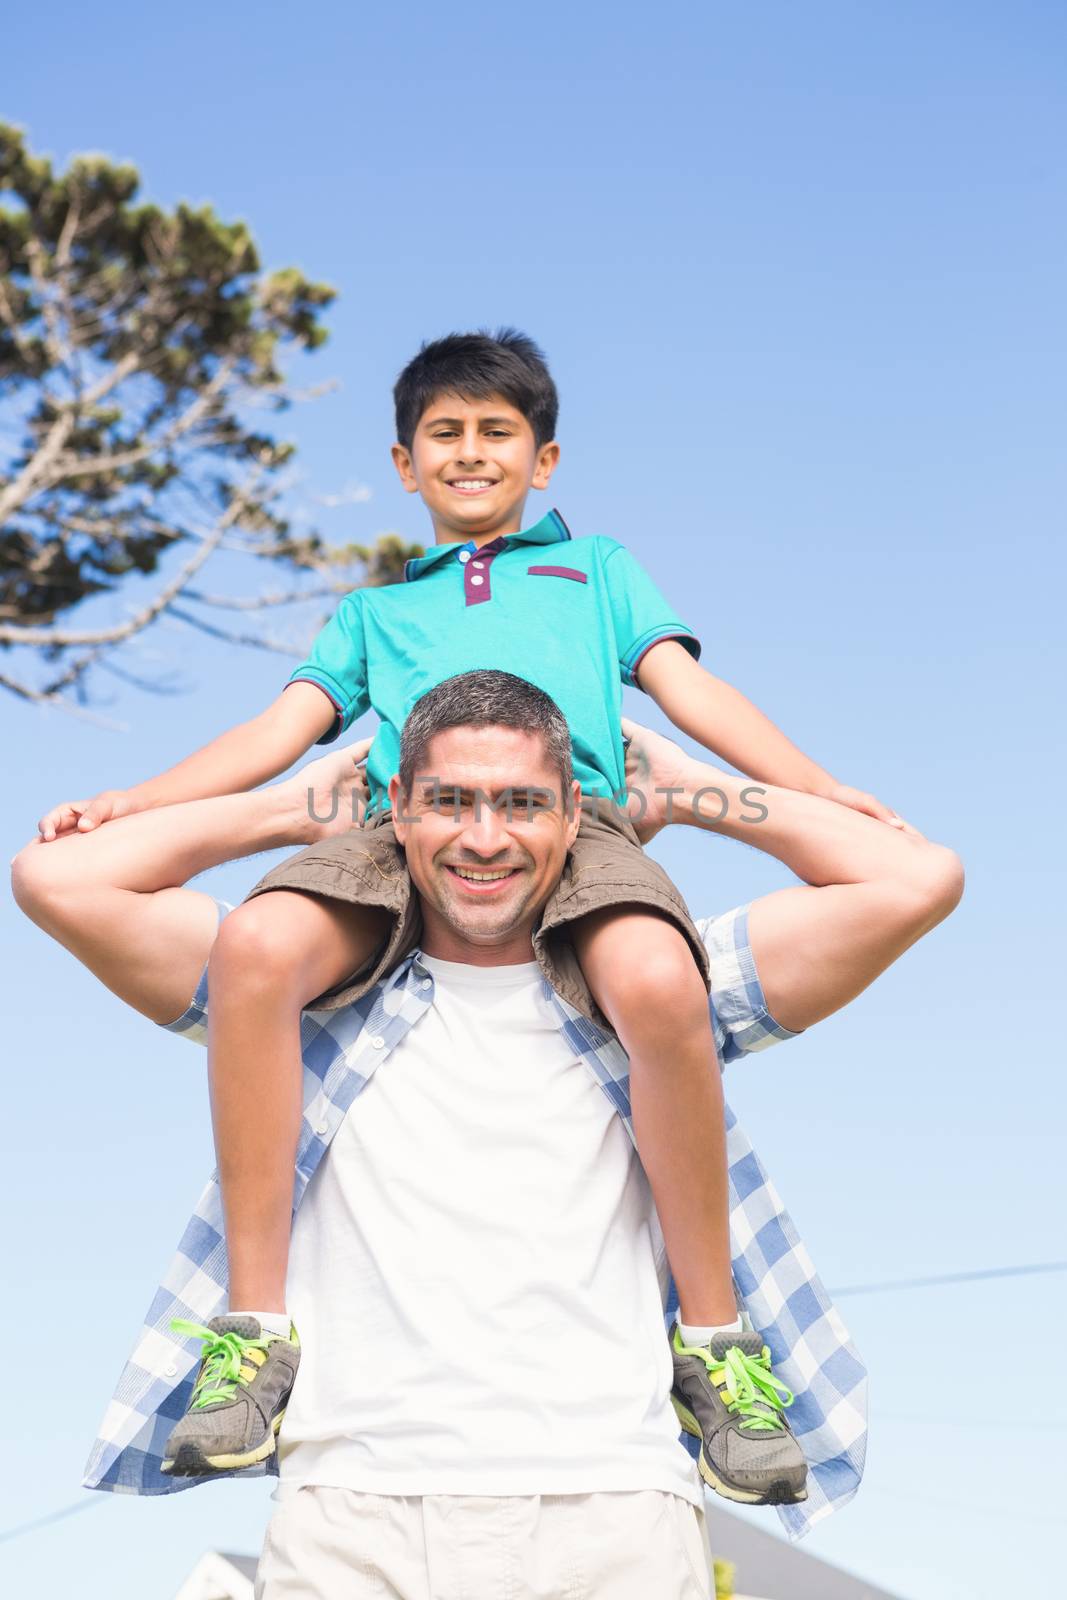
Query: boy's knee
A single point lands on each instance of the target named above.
(253, 946)
(944, 880)
(934, 885)
(35, 883)
(656, 970)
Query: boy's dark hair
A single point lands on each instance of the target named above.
(484, 699)
(475, 366)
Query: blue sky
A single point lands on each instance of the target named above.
(798, 272)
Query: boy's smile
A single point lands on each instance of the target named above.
(473, 462)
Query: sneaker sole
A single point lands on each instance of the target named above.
(778, 1493)
(190, 1462)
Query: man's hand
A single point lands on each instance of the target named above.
(81, 816)
(856, 800)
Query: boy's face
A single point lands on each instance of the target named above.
(474, 462)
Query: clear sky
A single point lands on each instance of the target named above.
(799, 274)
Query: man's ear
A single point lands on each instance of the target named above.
(399, 823)
(574, 821)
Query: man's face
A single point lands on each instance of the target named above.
(483, 870)
(474, 462)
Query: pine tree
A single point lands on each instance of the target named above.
(141, 375)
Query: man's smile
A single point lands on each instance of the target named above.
(480, 880)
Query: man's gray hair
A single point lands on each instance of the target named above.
(485, 699)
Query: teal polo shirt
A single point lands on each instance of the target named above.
(573, 616)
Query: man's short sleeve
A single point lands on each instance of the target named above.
(641, 615)
(192, 1024)
(741, 1021)
(338, 665)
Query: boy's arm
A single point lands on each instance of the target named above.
(238, 760)
(720, 718)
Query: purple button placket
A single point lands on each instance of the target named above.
(476, 575)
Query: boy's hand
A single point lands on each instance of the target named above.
(330, 794)
(656, 766)
(81, 816)
(856, 800)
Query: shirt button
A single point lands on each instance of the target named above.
(378, 1042)
(464, 556)
(425, 984)
(171, 1371)
(477, 580)
(479, 563)
(322, 1127)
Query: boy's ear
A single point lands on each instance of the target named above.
(547, 461)
(402, 458)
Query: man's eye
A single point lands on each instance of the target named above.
(522, 805)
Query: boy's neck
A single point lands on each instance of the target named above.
(445, 534)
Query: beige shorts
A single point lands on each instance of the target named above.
(606, 866)
(324, 1543)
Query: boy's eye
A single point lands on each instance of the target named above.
(446, 433)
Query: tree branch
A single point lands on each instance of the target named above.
(50, 695)
(12, 634)
(92, 466)
(257, 641)
(259, 602)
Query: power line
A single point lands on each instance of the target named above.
(53, 1516)
(856, 1288)
(980, 1509)
(999, 1424)
(950, 1277)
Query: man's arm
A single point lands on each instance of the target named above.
(114, 897)
(720, 718)
(868, 892)
(237, 760)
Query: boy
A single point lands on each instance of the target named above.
(476, 418)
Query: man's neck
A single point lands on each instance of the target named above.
(448, 945)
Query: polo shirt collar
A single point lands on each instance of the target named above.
(550, 530)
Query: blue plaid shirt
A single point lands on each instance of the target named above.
(777, 1286)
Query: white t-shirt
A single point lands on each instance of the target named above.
(472, 1272)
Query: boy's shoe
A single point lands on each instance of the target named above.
(238, 1399)
(726, 1396)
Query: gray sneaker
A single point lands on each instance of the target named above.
(726, 1396)
(238, 1399)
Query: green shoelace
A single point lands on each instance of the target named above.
(752, 1390)
(222, 1358)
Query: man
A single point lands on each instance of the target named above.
(488, 1406)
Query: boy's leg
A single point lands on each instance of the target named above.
(643, 977)
(273, 956)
